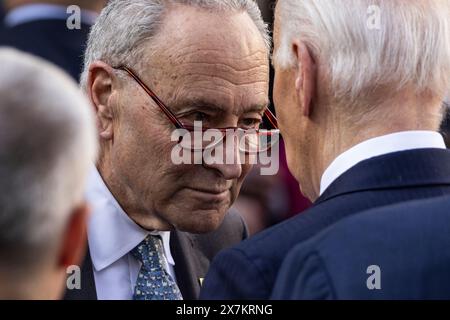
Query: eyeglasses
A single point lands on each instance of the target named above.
(250, 140)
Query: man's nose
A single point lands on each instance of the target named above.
(229, 165)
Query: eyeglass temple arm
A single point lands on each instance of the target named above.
(160, 104)
(272, 119)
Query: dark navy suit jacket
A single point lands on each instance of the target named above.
(249, 270)
(408, 245)
(49, 39)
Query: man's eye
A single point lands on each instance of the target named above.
(251, 123)
(198, 116)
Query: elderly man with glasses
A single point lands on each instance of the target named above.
(152, 69)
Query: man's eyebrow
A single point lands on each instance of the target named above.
(197, 103)
(258, 107)
(205, 104)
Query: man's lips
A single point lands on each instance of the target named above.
(213, 195)
(211, 190)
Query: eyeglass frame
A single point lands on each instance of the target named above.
(174, 119)
(170, 115)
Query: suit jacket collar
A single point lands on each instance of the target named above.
(420, 167)
(378, 146)
(190, 264)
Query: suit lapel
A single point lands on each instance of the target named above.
(190, 265)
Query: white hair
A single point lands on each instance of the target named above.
(125, 26)
(48, 142)
(370, 44)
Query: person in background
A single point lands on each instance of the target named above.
(45, 28)
(47, 145)
(360, 122)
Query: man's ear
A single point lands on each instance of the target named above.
(73, 246)
(305, 79)
(99, 90)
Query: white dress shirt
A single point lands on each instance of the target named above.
(111, 236)
(32, 12)
(400, 141)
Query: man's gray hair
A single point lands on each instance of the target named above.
(48, 142)
(371, 44)
(125, 26)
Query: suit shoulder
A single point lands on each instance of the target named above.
(233, 228)
(404, 217)
(231, 232)
(279, 235)
(303, 276)
(405, 241)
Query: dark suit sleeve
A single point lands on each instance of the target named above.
(233, 276)
(303, 276)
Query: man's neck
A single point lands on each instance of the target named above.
(339, 133)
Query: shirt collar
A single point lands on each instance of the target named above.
(399, 141)
(111, 233)
(33, 12)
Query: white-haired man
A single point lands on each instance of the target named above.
(358, 90)
(47, 145)
(152, 67)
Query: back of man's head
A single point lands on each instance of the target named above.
(371, 49)
(47, 144)
(350, 71)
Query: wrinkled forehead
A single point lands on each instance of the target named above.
(216, 56)
(189, 32)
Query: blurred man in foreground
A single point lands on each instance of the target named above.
(47, 144)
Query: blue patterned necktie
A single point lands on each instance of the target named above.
(153, 282)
